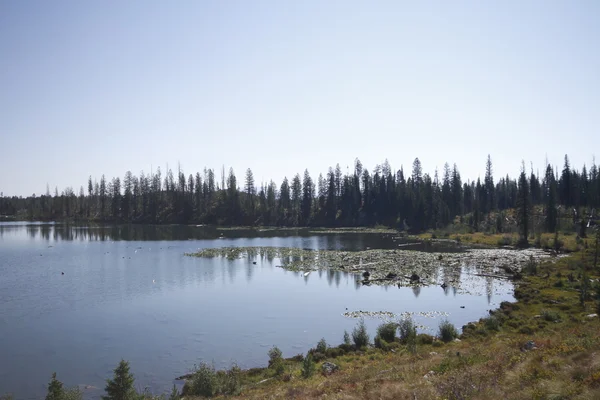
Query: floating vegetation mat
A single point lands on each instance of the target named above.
(387, 315)
(392, 267)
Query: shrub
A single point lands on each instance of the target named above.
(55, 389)
(207, 382)
(174, 394)
(447, 332)
(380, 343)
(387, 331)
(407, 329)
(308, 366)
(551, 316)
(121, 386)
(531, 266)
(232, 381)
(334, 352)
(275, 356)
(347, 338)
(322, 346)
(559, 283)
(504, 241)
(316, 356)
(359, 335)
(423, 338)
(73, 393)
(526, 330)
(491, 323)
(204, 382)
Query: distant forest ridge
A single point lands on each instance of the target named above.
(415, 201)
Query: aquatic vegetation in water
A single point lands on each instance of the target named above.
(392, 267)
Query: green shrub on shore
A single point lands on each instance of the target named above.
(387, 331)
(308, 366)
(208, 382)
(275, 355)
(423, 338)
(121, 386)
(447, 332)
(550, 316)
(360, 336)
(347, 340)
(322, 346)
(407, 330)
(492, 323)
(203, 382)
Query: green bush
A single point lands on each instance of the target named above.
(380, 343)
(408, 334)
(322, 346)
(208, 382)
(504, 241)
(360, 336)
(387, 331)
(491, 323)
(73, 393)
(275, 356)
(407, 330)
(308, 367)
(204, 382)
(559, 283)
(526, 330)
(334, 352)
(550, 316)
(316, 356)
(56, 391)
(174, 394)
(232, 381)
(121, 386)
(447, 332)
(531, 266)
(423, 338)
(347, 340)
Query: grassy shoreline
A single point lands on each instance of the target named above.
(545, 345)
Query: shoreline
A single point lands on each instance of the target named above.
(519, 322)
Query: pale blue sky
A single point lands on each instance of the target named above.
(93, 87)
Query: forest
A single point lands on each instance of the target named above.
(414, 202)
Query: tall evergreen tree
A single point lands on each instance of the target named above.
(523, 207)
(489, 186)
(565, 184)
(121, 386)
(307, 198)
(551, 212)
(55, 389)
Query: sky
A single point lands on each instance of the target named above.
(102, 87)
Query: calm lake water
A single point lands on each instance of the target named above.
(129, 292)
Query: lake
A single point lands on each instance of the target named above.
(130, 292)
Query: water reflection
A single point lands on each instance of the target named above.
(310, 239)
(116, 290)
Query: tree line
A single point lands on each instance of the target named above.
(413, 201)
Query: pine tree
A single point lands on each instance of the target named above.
(489, 186)
(523, 207)
(551, 212)
(121, 386)
(565, 184)
(55, 389)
